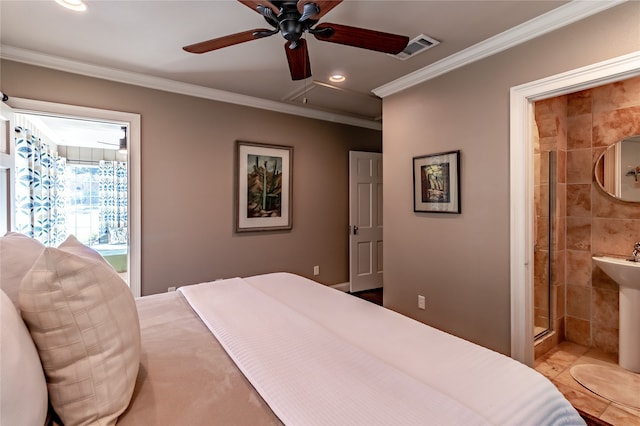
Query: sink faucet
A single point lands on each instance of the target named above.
(636, 252)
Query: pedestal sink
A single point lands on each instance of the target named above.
(627, 274)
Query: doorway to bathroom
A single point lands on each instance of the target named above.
(523, 225)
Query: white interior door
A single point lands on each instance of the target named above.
(6, 169)
(365, 220)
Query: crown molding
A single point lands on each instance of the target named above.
(137, 79)
(550, 21)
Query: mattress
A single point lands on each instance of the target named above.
(185, 376)
(319, 356)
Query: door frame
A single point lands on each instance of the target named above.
(521, 233)
(30, 106)
(7, 169)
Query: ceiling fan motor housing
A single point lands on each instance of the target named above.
(290, 22)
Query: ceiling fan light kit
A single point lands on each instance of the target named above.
(294, 18)
(77, 5)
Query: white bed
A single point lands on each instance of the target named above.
(269, 349)
(319, 356)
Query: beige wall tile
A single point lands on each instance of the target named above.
(579, 302)
(561, 231)
(541, 268)
(604, 338)
(578, 331)
(617, 95)
(548, 143)
(558, 262)
(562, 166)
(579, 132)
(614, 236)
(601, 280)
(578, 267)
(561, 200)
(579, 103)
(541, 200)
(579, 166)
(604, 307)
(579, 233)
(579, 199)
(611, 126)
(559, 308)
(604, 206)
(542, 233)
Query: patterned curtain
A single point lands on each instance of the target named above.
(113, 201)
(40, 203)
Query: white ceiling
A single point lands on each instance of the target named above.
(75, 132)
(136, 40)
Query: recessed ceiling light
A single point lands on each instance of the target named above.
(77, 5)
(337, 78)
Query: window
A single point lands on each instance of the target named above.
(83, 204)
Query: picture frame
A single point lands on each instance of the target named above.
(263, 200)
(436, 183)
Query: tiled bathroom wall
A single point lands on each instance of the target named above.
(586, 303)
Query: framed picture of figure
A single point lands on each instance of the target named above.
(436, 183)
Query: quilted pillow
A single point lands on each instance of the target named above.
(83, 320)
(18, 253)
(73, 246)
(23, 394)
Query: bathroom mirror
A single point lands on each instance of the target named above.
(617, 170)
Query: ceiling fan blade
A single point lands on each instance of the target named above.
(253, 4)
(360, 37)
(298, 59)
(230, 40)
(324, 6)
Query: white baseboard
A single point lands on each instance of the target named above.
(342, 287)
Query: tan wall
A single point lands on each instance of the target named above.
(187, 176)
(461, 262)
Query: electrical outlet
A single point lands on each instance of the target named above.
(171, 289)
(316, 270)
(421, 302)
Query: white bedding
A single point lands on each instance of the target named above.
(319, 356)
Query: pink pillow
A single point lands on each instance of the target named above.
(72, 245)
(23, 394)
(18, 253)
(83, 320)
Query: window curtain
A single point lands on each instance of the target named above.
(113, 201)
(40, 203)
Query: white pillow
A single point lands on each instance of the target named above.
(83, 320)
(23, 393)
(72, 245)
(18, 253)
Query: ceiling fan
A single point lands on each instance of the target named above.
(293, 18)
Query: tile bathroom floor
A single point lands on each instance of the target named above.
(556, 365)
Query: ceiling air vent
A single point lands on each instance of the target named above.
(417, 45)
